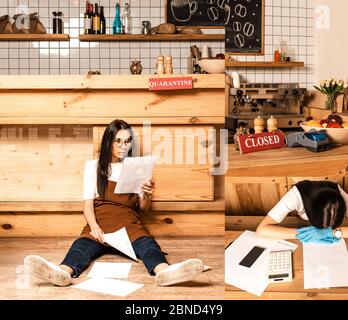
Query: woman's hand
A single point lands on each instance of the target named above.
(315, 235)
(98, 234)
(147, 188)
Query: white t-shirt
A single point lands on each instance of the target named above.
(292, 201)
(90, 178)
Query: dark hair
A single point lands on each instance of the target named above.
(323, 203)
(104, 168)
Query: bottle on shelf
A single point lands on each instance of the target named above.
(96, 20)
(126, 20)
(117, 26)
(277, 53)
(102, 21)
(87, 19)
(90, 31)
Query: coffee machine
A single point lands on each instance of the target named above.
(283, 101)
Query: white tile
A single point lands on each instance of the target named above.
(3, 54)
(84, 64)
(4, 64)
(54, 63)
(64, 63)
(105, 64)
(95, 64)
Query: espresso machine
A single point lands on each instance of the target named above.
(282, 101)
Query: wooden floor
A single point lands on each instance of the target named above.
(286, 291)
(209, 285)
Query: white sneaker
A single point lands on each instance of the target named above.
(179, 272)
(47, 271)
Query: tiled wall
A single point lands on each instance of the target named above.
(291, 21)
(77, 57)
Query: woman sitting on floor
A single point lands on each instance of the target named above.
(109, 213)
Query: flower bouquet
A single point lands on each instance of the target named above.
(332, 88)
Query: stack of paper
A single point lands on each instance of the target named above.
(119, 288)
(110, 270)
(255, 278)
(103, 274)
(134, 171)
(120, 241)
(325, 265)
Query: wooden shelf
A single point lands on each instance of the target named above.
(262, 64)
(34, 37)
(152, 37)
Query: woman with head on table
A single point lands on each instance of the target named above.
(322, 203)
(107, 212)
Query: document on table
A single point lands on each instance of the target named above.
(120, 241)
(134, 171)
(254, 279)
(110, 270)
(114, 287)
(325, 265)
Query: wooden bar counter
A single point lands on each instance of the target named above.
(51, 125)
(255, 182)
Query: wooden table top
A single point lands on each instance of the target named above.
(293, 160)
(288, 290)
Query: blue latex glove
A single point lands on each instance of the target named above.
(315, 235)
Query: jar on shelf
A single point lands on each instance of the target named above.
(58, 27)
(146, 27)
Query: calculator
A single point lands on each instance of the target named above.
(280, 266)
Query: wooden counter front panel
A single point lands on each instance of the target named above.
(122, 104)
(46, 163)
(253, 195)
(67, 224)
(188, 180)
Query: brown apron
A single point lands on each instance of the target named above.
(115, 212)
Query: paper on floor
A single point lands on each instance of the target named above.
(325, 265)
(114, 287)
(254, 279)
(134, 171)
(120, 241)
(206, 268)
(110, 270)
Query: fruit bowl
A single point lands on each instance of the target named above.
(212, 65)
(336, 135)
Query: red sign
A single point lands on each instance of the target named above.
(261, 141)
(177, 83)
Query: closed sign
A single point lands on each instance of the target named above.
(261, 141)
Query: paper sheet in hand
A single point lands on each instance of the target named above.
(254, 279)
(325, 265)
(110, 270)
(134, 171)
(114, 287)
(120, 241)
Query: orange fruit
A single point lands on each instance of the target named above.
(314, 123)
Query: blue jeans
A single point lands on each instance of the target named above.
(84, 250)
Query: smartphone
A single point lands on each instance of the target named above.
(252, 256)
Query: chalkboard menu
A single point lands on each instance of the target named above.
(198, 13)
(245, 30)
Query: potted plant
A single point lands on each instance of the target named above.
(331, 88)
